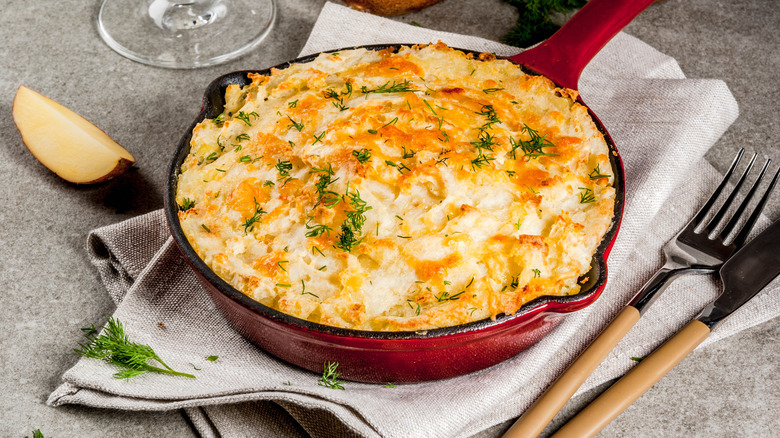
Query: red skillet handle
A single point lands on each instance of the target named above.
(565, 54)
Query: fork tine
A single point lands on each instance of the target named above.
(708, 205)
(743, 205)
(743, 234)
(725, 207)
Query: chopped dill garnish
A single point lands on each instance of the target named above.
(491, 90)
(298, 126)
(430, 107)
(363, 155)
(326, 197)
(372, 131)
(534, 148)
(353, 223)
(391, 122)
(249, 224)
(284, 168)
(245, 159)
(269, 183)
(280, 264)
(242, 137)
(416, 307)
(316, 230)
(303, 290)
(292, 104)
(212, 156)
(186, 204)
(536, 272)
(283, 285)
(586, 196)
(212, 358)
(408, 154)
(205, 228)
(245, 117)
(403, 87)
(596, 174)
(319, 138)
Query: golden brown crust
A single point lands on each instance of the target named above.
(469, 188)
(388, 8)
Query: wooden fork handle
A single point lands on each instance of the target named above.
(624, 392)
(534, 420)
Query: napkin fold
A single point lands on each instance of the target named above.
(661, 122)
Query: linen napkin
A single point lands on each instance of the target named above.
(661, 122)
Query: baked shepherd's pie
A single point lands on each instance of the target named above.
(398, 190)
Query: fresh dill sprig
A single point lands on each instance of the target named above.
(362, 155)
(297, 125)
(586, 195)
(284, 168)
(534, 148)
(326, 197)
(352, 227)
(245, 117)
(534, 23)
(114, 346)
(330, 378)
(596, 174)
(318, 138)
(387, 87)
(316, 230)
(186, 204)
(249, 224)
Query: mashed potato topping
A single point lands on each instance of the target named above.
(398, 190)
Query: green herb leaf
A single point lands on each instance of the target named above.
(212, 358)
(114, 346)
(363, 155)
(330, 377)
(186, 204)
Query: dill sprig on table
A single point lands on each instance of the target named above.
(533, 23)
(330, 378)
(114, 346)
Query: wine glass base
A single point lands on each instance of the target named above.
(185, 34)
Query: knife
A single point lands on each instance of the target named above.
(745, 274)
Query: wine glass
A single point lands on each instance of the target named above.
(185, 33)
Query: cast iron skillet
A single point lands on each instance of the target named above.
(438, 353)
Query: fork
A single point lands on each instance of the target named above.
(700, 247)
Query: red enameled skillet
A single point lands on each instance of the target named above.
(439, 353)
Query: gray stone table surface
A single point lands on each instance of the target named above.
(49, 290)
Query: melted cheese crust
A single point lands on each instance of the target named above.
(408, 190)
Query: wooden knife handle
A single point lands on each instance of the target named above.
(534, 420)
(618, 397)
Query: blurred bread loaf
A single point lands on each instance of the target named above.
(387, 8)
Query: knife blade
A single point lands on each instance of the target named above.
(744, 275)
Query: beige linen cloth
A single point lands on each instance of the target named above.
(661, 122)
